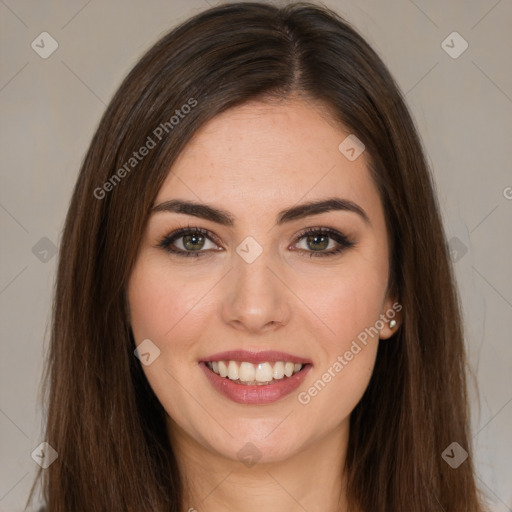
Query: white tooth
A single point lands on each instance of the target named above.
(263, 372)
(247, 372)
(278, 372)
(297, 367)
(215, 367)
(233, 370)
(223, 371)
(288, 369)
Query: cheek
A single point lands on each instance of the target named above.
(349, 307)
(160, 301)
(338, 387)
(348, 301)
(162, 310)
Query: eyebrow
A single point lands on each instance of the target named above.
(225, 218)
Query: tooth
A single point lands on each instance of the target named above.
(264, 372)
(223, 371)
(247, 372)
(233, 370)
(288, 369)
(278, 371)
(250, 373)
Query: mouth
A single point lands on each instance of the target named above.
(249, 374)
(255, 378)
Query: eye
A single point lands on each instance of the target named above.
(193, 241)
(317, 240)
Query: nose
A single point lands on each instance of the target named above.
(256, 300)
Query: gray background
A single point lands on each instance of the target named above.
(51, 107)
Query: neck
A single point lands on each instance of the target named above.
(311, 479)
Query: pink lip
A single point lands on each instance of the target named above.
(270, 356)
(244, 394)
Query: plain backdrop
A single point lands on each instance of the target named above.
(462, 104)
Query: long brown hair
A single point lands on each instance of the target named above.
(103, 418)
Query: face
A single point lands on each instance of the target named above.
(289, 306)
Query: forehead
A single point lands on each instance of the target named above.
(262, 156)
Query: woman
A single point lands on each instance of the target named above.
(255, 306)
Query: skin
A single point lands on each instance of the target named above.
(254, 161)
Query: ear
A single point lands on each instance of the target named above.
(391, 309)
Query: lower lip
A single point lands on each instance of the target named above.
(244, 394)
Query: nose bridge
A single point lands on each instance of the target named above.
(256, 298)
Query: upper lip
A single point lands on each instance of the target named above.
(256, 357)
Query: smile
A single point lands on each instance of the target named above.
(255, 378)
(254, 374)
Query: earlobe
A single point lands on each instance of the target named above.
(391, 319)
(389, 329)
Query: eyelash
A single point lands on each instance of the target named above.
(166, 241)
